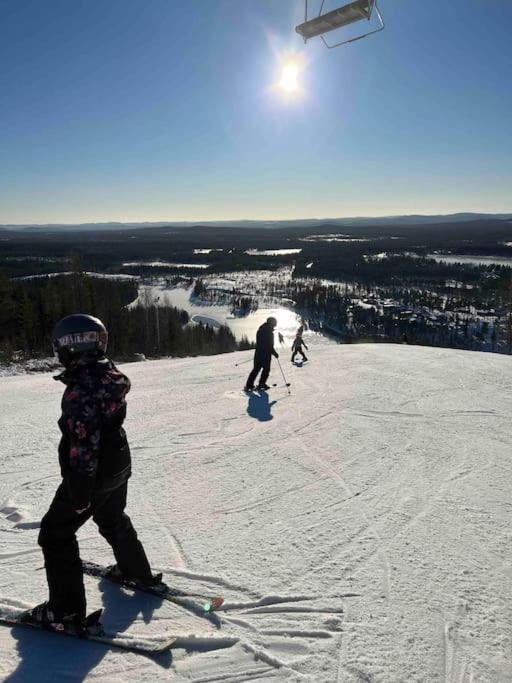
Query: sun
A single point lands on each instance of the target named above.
(289, 69)
(289, 81)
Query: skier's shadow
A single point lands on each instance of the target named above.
(259, 406)
(127, 605)
(47, 657)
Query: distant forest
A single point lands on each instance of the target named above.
(30, 308)
(449, 304)
(348, 255)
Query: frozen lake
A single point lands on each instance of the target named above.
(287, 320)
(475, 260)
(165, 264)
(272, 252)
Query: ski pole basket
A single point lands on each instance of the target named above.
(339, 18)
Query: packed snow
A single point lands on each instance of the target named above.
(358, 527)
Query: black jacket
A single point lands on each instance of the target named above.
(94, 455)
(265, 343)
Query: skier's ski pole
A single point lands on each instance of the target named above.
(242, 362)
(287, 385)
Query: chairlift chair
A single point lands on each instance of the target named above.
(338, 18)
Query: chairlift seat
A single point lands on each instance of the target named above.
(338, 18)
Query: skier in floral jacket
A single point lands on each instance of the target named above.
(95, 464)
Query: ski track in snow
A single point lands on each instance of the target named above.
(359, 530)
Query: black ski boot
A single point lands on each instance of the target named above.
(263, 387)
(115, 574)
(43, 614)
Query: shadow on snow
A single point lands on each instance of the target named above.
(259, 406)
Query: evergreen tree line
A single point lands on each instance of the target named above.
(355, 266)
(478, 318)
(239, 304)
(30, 308)
(417, 317)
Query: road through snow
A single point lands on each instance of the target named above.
(360, 529)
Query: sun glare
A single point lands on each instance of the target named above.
(289, 72)
(289, 77)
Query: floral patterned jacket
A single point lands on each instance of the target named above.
(93, 452)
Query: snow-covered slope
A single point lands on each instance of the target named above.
(359, 528)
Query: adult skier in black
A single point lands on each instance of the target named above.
(297, 345)
(263, 355)
(95, 464)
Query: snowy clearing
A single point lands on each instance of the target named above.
(216, 315)
(359, 529)
(166, 264)
(272, 252)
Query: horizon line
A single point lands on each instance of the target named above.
(261, 220)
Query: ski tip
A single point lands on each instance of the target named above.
(212, 604)
(217, 602)
(166, 646)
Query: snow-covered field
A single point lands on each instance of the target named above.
(49, 364)
(359, 528)
(216, 315)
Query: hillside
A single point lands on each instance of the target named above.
(244, 223)
(358, 528)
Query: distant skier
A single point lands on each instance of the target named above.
(297, 345)
(263, 355)
(95, 465)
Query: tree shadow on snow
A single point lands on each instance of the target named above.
(259, 406)
(47, 657)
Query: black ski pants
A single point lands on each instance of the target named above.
(301, 353)
(57, 538)
(262, 364)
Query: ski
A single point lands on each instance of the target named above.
(94, 630)
(197, 602)
(249, 391)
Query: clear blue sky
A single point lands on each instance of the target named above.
(165, 110)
